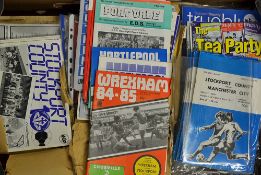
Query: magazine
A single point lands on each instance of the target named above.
(129, 140)
(214, 15)
(174, 37)
(88, 50)
(81, 42)
(174, 28)
(115, 89)
(218, 15)
(224, 117)
(118, 25)
(47, 122)
(224, 38)
(253, 32)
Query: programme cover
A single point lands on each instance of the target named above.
(129, 140)
(47, 122)
(115, 89)
(221, 129)
(125, 24)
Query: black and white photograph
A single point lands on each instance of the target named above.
(11, 60)
(119, 40)
(30, 30)
(15, 97)
(129, 129)
(14, 94)
(15, 132)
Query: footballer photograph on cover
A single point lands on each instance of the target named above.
(221, 137)
(130, 128)
(226, 132)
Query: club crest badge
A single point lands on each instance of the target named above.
(39, 119)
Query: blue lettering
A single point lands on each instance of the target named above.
(45, 63)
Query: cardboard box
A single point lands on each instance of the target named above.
(51, 162)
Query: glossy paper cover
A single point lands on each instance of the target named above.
(222, 126)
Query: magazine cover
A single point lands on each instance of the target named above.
(217, 15)
(47, 122)
(80, 48)
(115, 89)
(222, 127)
(232, 32)
(129, 140)
(253, 34)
